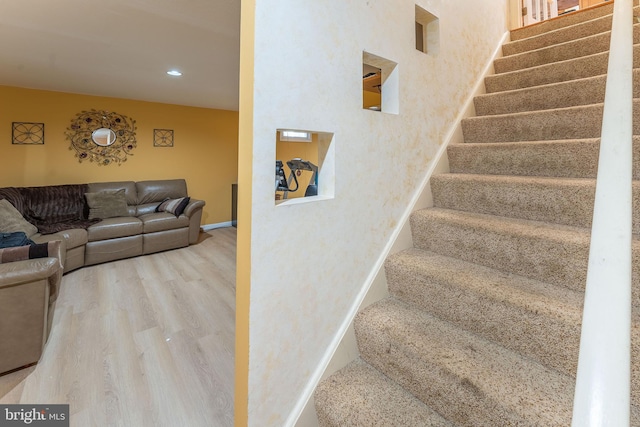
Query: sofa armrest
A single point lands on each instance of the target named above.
(18, 272)
(29, 270)
(193, 206)
(194, 212)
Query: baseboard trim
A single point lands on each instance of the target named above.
(304, 410)
(208, 227)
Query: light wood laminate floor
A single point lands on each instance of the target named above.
(146, 341)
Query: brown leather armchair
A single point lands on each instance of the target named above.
(28, 291)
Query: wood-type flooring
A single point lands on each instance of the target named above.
(146, 341)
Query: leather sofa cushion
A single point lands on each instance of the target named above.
(157, 191)
(112, 228)
(161, 221)
(147, 208)
(72, 238)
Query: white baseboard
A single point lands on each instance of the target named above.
(208, 227)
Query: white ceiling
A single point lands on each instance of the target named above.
(123, 48)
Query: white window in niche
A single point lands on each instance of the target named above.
(295, 136)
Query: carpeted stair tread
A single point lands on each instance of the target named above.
(589, 90)
(466, 379)
(536, 319)
(359, 395)
(576, 158)
(571, 69)
(550, 253)
(583, 121)
(562, 22)
(567, 201)
(571, 49)
(560, 35)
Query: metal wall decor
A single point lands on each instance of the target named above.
(163, 137)
(103, 137)
(26, 133)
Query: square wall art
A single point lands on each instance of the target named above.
(26, 133)
(163, 137)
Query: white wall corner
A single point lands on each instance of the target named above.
(343, 349)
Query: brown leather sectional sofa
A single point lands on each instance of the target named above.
(28, 288)
(143, 232)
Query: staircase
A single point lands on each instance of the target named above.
(482, 327)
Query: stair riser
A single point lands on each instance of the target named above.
(451, 396)
(571, 159)
(551, 341)
(568, 20)
(573, 49)
(448, 369)
(559, 260)
(560, 95)
(586, 66)
(339, 398)
(558, 201)
(562, 35)
(569, 123)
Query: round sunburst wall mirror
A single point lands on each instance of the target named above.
(102, 137)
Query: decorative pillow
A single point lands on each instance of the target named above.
(11, 220)
(107, 204)
(20, 253)
(174, 206)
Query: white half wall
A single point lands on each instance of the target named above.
(311, 261)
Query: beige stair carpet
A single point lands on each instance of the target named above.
(482, 325)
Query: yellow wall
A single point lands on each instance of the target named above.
(370, 99)
(205, 151)
(245, 213)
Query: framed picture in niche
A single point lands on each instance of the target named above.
(27, 133)
(163, 137)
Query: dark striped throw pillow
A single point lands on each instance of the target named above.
(174, 206)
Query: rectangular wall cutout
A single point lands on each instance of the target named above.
(380, 84)
(304, 166)
(427, 32)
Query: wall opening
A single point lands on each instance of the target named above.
(427, 32)
(380, 84)
(304, 165)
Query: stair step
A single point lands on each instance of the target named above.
(572, 49)
(551, 253)
(566, 158)
(466, 379)
(365, 397)
(583, 121)
(535, 319)
(571, 69)
(560, 35)
(567, 201)
(563, 21)
(573, 93)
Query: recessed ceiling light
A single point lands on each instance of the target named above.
(175, 73)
